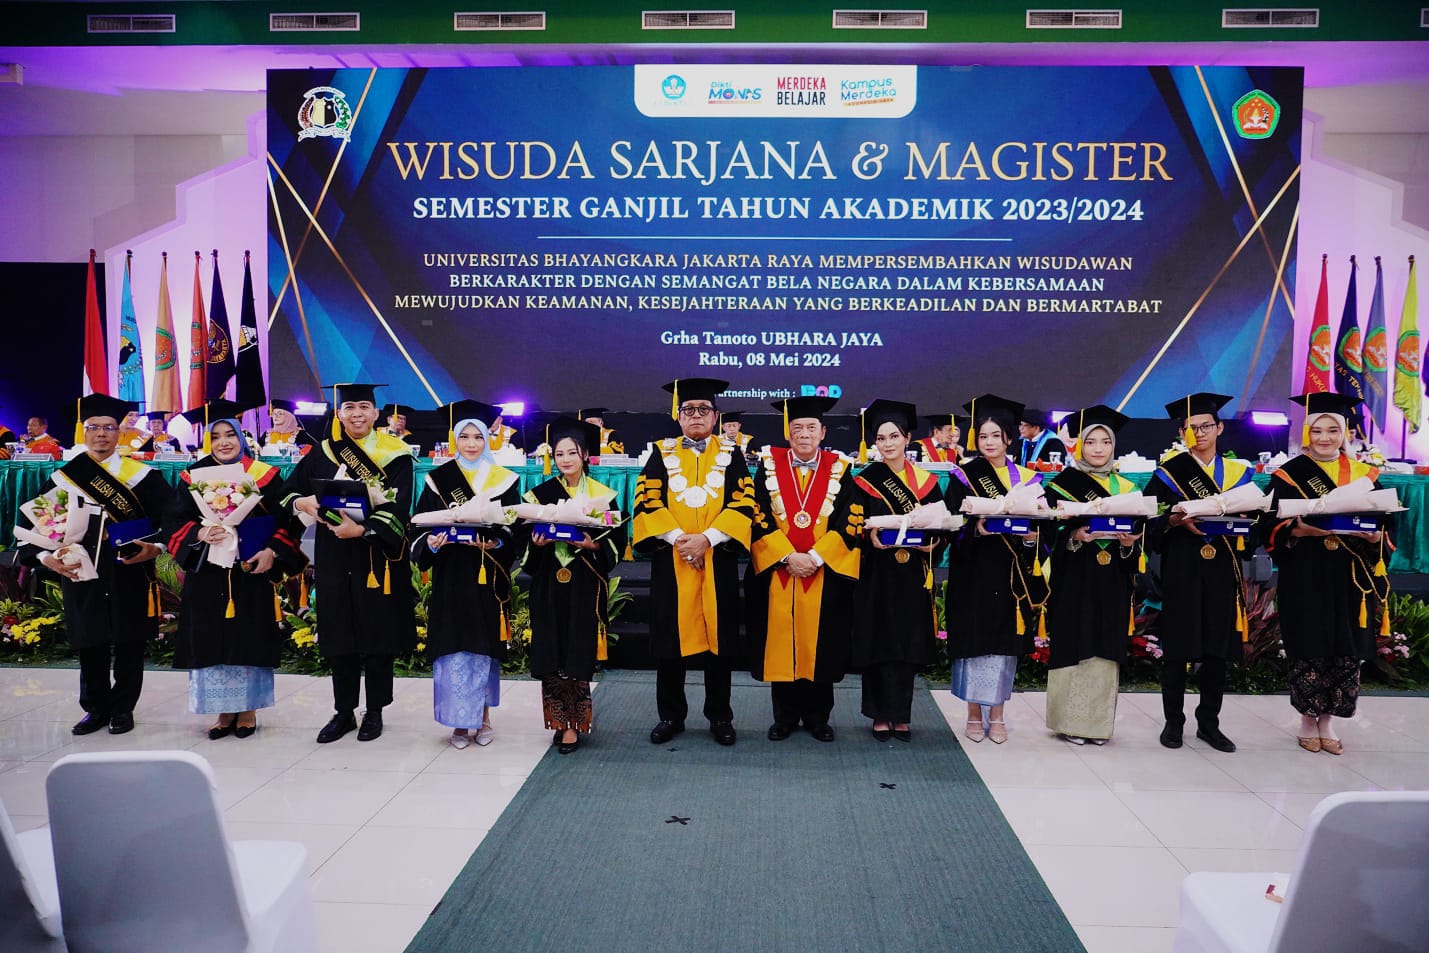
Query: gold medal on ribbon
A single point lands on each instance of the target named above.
(1331, 543)
(803, 520)
(1104, 558)
(563, 575)
(902, 555)
(1208, 551)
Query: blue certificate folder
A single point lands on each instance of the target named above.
(336, 497)
(1016, 525)
(1225, 525)
(1112, 524)
(914, 537)
(130, 531)
(253, 534)
(1348, 522)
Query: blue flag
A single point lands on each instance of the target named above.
(1349, 350)
(221, 363)
(1376, 355)
(131, 350)
(251, 392)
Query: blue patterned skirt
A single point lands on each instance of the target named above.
(985, 679)
(463, 685)
(220, 689)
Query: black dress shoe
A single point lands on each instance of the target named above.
(244, 731)
(882, 734)
(89, 724)
(557, 738)
(1171, 736)
(665, 730)
(779, 731)
(1214, 738)
(824, 732)
(341, 724)
(371, 725)
(904, 735)
(221, 731)
(119, 724)
(566, 747)
(723, 732)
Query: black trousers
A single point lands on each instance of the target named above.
(812, 702)
(347, 673)
(1212, 681)
(96, 694)
(670, 688)
(888, 691)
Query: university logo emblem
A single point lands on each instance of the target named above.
(217, 344)
(247, 337)
(1256, 115)
(1350, 350)
(163, 351)
(1407, 360)
(673, 87)
(325, 113)
(1376, 351)
(1320, 348)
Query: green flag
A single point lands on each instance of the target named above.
(1407, 393)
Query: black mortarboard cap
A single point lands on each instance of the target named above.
(474, 409)
(992, 407)
(354, 392)
(1035, 417)
(158, 415)
(1193, 405)
(732, 416)
(802, 407)
(218, 409)
(1079, 421)
(1327, 402)
(882, 411)
(693, 388)
(587, 412)
(586, 436)
(392, 410)
(102, 405)
(940, 420)
(291, 406)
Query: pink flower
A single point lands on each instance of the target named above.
(942, 634)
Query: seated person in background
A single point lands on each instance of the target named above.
(1038, 441)
(160, 440)
(7, 436)
(287, 428)
(397, 415)
(609, 441)
(37, 438)
(731, 425)
(131, 435)
(941, 444)
(503, 436)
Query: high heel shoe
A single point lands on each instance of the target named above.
(220, 731)
(975, 730)
(997, 731)
(566, 747)
(244, 731)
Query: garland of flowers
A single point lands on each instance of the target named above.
(695, 496)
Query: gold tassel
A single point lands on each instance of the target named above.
(1240, 544)
(481, 577)
(928, 576)
(207, 439)
(1305, 431)
(1242, 625)
(1037, 566)
(862, 441)
(1131, 619)
(1384, 621)
(229, 612)
(79, 426)
(371, 578)
(1364, 613)
(303, 591)
(784, 405)
(1379, 568)
(546, 462)
(505, 628)
(1188, 437)
(602, 651)
(1021, 626)
(387, 578)
(629, 552)
(1141, 562)
(277, 606)
(154, 599)
(675, 400)
(1042, 624)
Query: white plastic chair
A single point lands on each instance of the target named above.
(1359, 884)
(29, 899)
(144, 863)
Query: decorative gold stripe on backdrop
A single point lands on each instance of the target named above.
(297, 296)
(1270, 307)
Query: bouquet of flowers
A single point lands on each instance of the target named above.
(934, 517)
(478, 512)
(579, 510)
(1240, 499)
(60, 522)
(1134, 503)
(1024, 499)
(1360, 496)
(224, 495)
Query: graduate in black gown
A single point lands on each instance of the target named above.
(363, 578)
(287, 428)
(893, 624)
(116, 613)
(1090, 613)
(1332, 586)
(694, 503)
(996, 587)
(1202, 597)
(570, 584)
(803, 565)
(229, 634)
(468, 615)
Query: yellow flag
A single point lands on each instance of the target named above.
(1407, 386)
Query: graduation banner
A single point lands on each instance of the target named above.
(1117, 235)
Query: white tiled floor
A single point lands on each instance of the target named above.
(1113, 830)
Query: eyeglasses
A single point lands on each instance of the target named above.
(101, 428)
(696, 410)
(1201, 430)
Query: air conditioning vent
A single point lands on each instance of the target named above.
(1074, 19)
(314, 22)
(1303, 17)
(1424, 17)
(880, 19)
(687, 20)
(132, 23)
(466, 22)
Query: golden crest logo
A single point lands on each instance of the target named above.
(325, 113)
(1256, 115)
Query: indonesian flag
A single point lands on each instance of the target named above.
(1320, 353)
(96, 368)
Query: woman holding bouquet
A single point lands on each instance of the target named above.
(570, 586)
(1333, 586)
(467, 624)
(229, 633)
(996, 587)
(893, 614)
(1091, 613)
